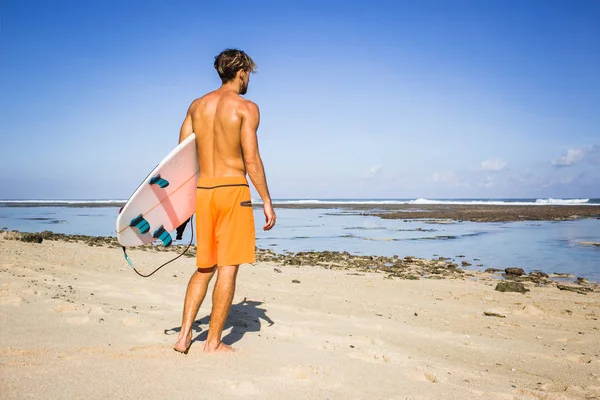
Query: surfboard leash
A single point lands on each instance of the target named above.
(168, 262)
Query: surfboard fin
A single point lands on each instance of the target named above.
(157, 180)
(140, 223)
(163, 236)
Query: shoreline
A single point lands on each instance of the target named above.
(402, 267)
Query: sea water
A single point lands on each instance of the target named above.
(549, 246)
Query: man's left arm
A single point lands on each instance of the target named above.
(186, 128)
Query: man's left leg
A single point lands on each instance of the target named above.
(222, 298)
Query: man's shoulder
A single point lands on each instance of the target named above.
(247, 106)
(196, 102)
(200, 102)
(206, 97)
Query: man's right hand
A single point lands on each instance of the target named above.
(270, 217)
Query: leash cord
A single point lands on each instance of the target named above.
(170, 261)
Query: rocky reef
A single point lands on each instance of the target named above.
(408, 267)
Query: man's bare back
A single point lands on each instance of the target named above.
(225, 125)
(216, 119)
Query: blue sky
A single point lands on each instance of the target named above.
(378, 99)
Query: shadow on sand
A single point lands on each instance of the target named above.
(243, 317)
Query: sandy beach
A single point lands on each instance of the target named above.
(77, 323)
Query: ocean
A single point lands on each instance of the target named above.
(549, 246)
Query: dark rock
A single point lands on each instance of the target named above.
(32, 238)
(514, 271)
(511, 287)
(295, 281)
(538, 277)
(493, 270)
(517, 278)
(581, 281)
(466, 264)
(493, 314)
(538, 274)
(576, 289)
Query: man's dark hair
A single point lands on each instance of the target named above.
(230, 61)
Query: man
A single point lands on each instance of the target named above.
(225, 125)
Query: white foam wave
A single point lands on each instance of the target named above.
(62, 202)
(422, 201)
(537, 202)
(334, 202)
(562, 201)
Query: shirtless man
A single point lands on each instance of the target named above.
(225, 125)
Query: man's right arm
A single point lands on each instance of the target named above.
(252, 161)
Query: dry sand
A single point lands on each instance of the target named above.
(77, 323)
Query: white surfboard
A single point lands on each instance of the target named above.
(165, 199)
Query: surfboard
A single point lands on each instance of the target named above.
(163, 201)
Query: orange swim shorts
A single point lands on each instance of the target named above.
(224, 222)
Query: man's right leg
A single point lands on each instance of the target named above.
(222, 298)
(196, 291)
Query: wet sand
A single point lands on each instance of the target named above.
(475, 213)
(76, 322)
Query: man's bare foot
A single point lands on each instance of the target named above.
(183, 344)
(218, 348)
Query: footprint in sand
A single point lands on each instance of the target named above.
(79, 320)
(10, 301)
(305, 373)
(531, 311)
(65, 308)
(335, 342)
(132, 321)
(153, 348)
(569, 340)
(93, 350)
(357, 340)
(561, 391)
(431, 377)
(372, 357)
(241, 388)
(425, 375)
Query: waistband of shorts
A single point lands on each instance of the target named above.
(214, 183)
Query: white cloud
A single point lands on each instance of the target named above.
(446, 177)
(493, 164)
(572, 157)
(373, 171)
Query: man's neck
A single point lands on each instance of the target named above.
(231, 87)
